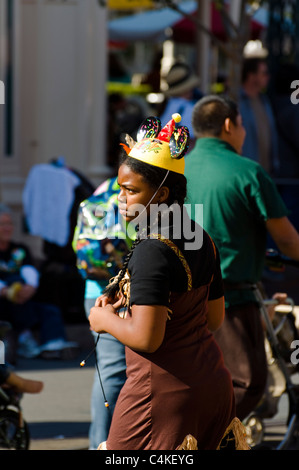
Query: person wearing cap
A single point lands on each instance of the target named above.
(178, 393)
(19, 280)
(241, 205)
(181, 94)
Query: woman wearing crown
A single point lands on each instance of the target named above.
(178, 393)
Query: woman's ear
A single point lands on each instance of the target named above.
(163, 194)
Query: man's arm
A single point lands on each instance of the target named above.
(216, 312)
(285, 236)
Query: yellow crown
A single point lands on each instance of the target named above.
(162, 148)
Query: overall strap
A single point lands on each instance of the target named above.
(177, 251)
(215, 254)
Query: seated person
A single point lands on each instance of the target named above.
(19, 281)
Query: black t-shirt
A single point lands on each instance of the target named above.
(156, 270)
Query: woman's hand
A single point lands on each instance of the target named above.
(99, 314)
(142, 330)
(281, 299)
(103, 300)
(98, 317)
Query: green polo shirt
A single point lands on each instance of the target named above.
(238, 196)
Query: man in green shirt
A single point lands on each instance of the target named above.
(240, 205)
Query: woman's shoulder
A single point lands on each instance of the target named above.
(152, 246)
(190, 238)
(155, 254)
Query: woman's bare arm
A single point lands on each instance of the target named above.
(142, 330)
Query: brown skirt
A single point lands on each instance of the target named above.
(234, 438)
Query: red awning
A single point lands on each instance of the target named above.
(184, 31)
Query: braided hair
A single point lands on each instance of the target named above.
(153, 176)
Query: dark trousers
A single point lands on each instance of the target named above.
(31, 315)
(241, 339)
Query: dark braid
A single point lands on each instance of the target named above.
(113, 287)
(153, 176)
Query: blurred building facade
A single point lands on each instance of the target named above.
(53, 65)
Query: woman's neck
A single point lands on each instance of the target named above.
(166, 221)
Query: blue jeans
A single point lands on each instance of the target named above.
(112, 366)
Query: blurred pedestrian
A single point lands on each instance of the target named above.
(19, 280)
(241, 205)
(153, 77)
(286, 112)
(260, 143)
(181, 94)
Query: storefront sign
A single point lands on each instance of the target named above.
(130, 4)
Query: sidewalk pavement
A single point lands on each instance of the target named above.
(59, 417)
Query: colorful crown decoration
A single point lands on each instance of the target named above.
(164, 148)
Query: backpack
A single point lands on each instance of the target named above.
(100, 237)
